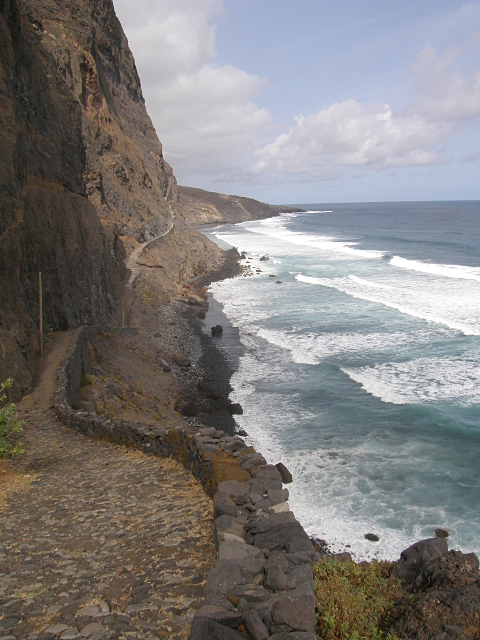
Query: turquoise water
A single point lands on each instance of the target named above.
(361, 370)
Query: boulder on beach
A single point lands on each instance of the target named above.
(182, 360)
(201, 315)
(204, 386)
(372, 537)
(188, 408)
(285, 473)
(195, 300)
(164, 364)
(278, 282)
(222, 404)
(236, 409)
(217, 330)
(243, 433)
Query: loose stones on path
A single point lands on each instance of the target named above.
(105, 543)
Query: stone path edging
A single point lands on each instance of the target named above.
(262, 580)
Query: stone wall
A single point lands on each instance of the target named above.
(262, 581)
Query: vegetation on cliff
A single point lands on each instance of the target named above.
(356, 601)
(9, 425)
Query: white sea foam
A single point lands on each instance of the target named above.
(331, 247)
(443, 270)
(349, 479)
(455, 307)
(338, 493)
(422, 381)
(311, 348)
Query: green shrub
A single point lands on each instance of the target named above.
(9, 425)
(355, 601)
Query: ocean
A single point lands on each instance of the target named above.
(360, 366)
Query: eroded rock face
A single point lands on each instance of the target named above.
(125, 175)
(82, 177)
(47, 223)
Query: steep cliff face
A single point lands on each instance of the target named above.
(126, 178)
(202, 207)
(47, 223)
(82, 176)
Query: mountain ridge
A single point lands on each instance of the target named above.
(198, 207)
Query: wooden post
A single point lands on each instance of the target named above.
(40, 294)
(123, 315)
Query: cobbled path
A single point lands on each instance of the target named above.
(105, 542)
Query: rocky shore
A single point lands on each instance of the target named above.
(261, 585)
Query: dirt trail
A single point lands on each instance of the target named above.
(96, 540)
(42, 396)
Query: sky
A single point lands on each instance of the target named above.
(304, 101)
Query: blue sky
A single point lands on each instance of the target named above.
(313, 101)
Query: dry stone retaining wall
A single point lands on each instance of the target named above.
(262, 581)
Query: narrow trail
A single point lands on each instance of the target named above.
(132, 265)
(98, 541)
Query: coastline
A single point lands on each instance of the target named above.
(252, 519)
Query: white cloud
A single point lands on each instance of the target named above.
(445, 94)
(205, 114)
(349, 134)
(209, 122)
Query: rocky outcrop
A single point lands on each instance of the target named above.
(202, 207)
(446, 592)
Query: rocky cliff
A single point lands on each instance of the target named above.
(82, 176)
(202, 207)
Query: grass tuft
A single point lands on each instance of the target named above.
(356, 601)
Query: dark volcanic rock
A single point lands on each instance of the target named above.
(236, 409)
(206, 629)
(414, 561)
(372, 537)
(255, 626)
(217, 330)
(284, 472)
(222, 616)
(204, 386)
(289, 536)
(449, 605)
(296, 609)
